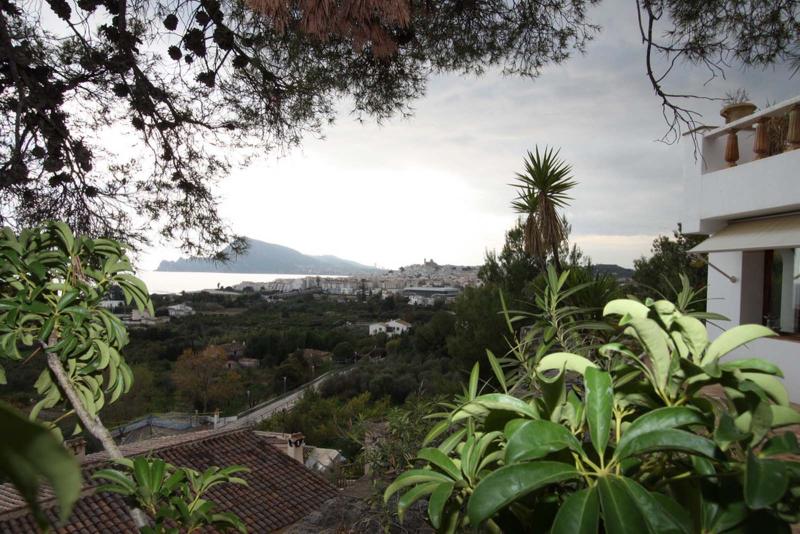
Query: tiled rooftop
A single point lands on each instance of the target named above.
(280, 491)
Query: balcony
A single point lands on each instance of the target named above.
(747, 168)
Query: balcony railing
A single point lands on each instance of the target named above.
(760, 135)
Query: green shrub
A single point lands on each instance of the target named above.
(630, 440)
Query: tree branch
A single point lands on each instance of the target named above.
(92, 424)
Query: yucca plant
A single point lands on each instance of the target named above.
(541, 190)
(639, 447)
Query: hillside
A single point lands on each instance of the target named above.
(618, 272)
(268, 258)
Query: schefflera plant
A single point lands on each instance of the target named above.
(51, 286)
(670, 438)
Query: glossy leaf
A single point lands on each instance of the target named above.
(437, 502)
(765, 481)
(413, 495)
(599, 406)
(29, 454)
(667, 440)
(621, 514)
(734, 338)
(440, 460)
(658, 419)
(579, 514)
(564, 360)
(500, 488)
(653, 338)
(771, 385)
(626, 307)
(662, 514)
(501, 401)
(412, 477)
(536, 439)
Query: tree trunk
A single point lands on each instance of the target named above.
(556, 260)
(92, 424)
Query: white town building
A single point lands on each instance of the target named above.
(392, 328)
(743, 190)
(180, 310)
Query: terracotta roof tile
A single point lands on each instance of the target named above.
(280, 491)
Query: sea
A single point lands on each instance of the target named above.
(163, 282)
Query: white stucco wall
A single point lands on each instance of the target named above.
(740, 301)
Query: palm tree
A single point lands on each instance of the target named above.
(541, 190)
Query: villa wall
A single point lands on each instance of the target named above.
(740, 301)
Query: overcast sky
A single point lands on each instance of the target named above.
(436, 185)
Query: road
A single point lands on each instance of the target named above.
(259, 413)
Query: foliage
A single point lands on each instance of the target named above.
(52, 285)
(660, 273)
(479, 325)
(640, 447)
(558, 323)
(512, 269)
(391, 446)
(189, 80)
(329, 421)
(202, 376)
(50, 291)
(30, 453)
(173, 496)
(541, 190)
(343, 352)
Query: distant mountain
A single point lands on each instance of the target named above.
(620, 273)
(268, 258)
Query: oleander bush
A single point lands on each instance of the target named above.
(655, 431)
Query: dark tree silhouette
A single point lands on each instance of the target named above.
(119, 116)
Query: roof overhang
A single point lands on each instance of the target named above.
(758, 234)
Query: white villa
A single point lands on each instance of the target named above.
(392, 328)
(743, 190)
(180, 310)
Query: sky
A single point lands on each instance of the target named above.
(435, 186)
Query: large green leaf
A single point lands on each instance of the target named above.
(413, 477)
(654, 340)
(667, 440)
(501, 401)
(626, 307)
(579, 514)
(564, 360)
(412, 496)
(659, 419)
(30, 453)
(765, 481)
(772, 386)
(535, 439)
(437, 502)
(621, 513)
(599, 406)
(512, 482)
(440, 460)
(694, 334)
(662, 514)
(727, 432)
(733, 338)
(752, 364)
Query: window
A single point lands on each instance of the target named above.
(781, 310)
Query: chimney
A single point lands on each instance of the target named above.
(294, 446)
